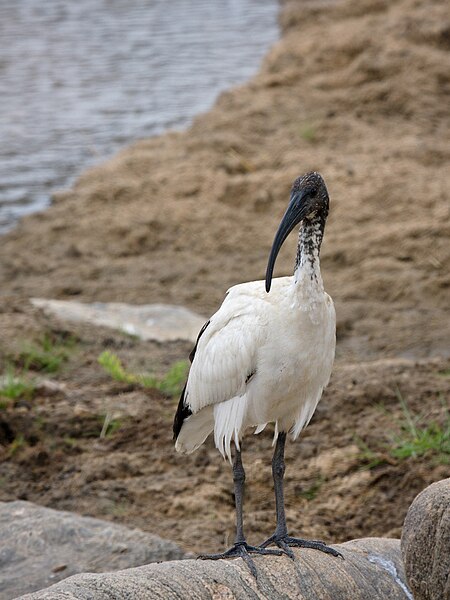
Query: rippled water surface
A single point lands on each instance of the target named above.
(81, 78)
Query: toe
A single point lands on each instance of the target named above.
(285, 547)
(250, 564)
(267, 542)
(264, 551)
(314, 544)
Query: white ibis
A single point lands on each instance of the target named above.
(265, 357)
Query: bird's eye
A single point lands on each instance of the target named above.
(313, 193)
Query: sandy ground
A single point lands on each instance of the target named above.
(355, 89)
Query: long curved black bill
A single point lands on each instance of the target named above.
(295, 212)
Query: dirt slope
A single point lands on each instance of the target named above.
(355, 89)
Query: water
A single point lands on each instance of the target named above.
(81, 78)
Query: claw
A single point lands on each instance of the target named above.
(285, 547)
(242, 550)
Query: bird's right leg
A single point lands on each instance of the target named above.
(281, 538)
(240, 548)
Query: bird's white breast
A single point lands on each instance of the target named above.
(294, 363)
(264, 357)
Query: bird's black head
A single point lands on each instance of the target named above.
(308, 202)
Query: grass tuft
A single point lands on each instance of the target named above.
(173, 381)
(171, 384)
(47, 354)
(308, 133)
(417, 438)
(113, 366)
(370, 458)
(311, 492)
(13, 387)
(110, 426)
(17, 444)
(413, 437)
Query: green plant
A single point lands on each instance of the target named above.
(369, 457)
(308, 133)
(414, 436)
(47, 354)
(18, 443)
(14, 386)
(171, 384)
(173, 381)
(311, 492)
(70, 442)
(110, 426)
(433, 438)
(113, 366)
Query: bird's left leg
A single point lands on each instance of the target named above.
(281, 538)
(240, 548)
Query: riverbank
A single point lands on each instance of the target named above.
(353, 89)
(181, 217)
(139, 69)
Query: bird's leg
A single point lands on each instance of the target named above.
(278, 469)
(240, 548)
(281, 538)
(239, 487)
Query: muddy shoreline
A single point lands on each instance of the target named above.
(181, 217)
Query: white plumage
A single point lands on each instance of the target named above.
(263, 358)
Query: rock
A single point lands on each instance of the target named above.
(372, 569)
(426, 543)
(159, 322)
(50, 387)
(39, 546)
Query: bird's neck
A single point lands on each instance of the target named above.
(307, 277)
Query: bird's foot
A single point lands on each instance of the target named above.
(286, 542)
(242, 550)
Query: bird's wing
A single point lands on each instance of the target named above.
(226, 353)
(183, 410)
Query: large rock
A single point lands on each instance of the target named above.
(372, 569)
(39, 546)
(426, 543)
(159, 322)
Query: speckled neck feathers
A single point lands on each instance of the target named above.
(307, 276)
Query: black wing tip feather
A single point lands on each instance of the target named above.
(194, 349)
(183, 410)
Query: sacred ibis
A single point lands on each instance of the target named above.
(265, 357)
